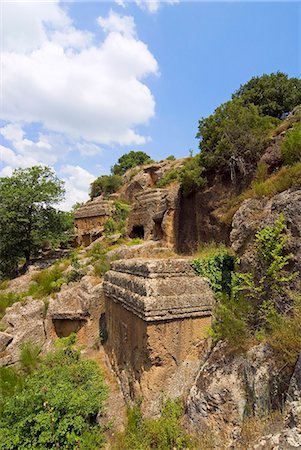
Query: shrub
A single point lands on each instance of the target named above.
(99, 259)
(254, 297)
(191, 176)
(171, 176)
(106, 184)
(47, 282)
(55, 406)
(129, 160)
(171, 158)
(291, 146)
(217, 266)
(164, 433)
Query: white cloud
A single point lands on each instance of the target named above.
(77, 184)
(47, 149)
(151, 6)
(116, 23)
(89, 149)
(54, 75)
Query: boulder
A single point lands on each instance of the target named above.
(24, 323)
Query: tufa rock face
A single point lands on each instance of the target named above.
(78, 308)
(152, 215)
(258, 213)
(157, 313)
(90, 219)
(230, 387)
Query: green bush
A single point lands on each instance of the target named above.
(99, 259)
(106, 184)
(164, 433)
(192, 176)
(171, 176)
(53, 407)
(7, 300)
(47, 282)
(129, 160)
(291, 146)
(171, 158)
(254, 297)
(217, 266)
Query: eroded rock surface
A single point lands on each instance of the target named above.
(157, 313)
(258, 213)
(230, 387)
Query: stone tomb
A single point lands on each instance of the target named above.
(157, 315)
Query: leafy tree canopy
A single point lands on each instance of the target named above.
(274, 94)
(106, 184)
(233, 136)
(27, 216)
(129, 160)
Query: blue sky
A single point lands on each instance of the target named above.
(83, 83)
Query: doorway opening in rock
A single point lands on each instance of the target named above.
(137, 232)
(103, 332)
(158, 231)
(64, 327)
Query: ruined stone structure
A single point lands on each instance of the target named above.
(90, 219)
(157, 315)
(153, 213)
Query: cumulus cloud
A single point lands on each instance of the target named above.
(77, 184)
(54, 74)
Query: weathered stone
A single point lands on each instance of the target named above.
(230, 386)
(157, 314)
(152, 215)
(5, 339)
(76, 308)
(159, 289)
(90, 219)
(25, 322)
(257, 213)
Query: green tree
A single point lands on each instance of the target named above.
(27, 216)
(233, 137)
(274, 94)
(106, 184)
(129, 160)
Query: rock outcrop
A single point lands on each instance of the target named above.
(229, 388)
(90, 219)
(157, 314)
(257, 213)
(78, 308)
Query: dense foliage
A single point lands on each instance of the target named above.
(217, 266)
(164, 433)
(129, 160)
(248, 301)
(27, 216)
(106, 184)
(54, 404)
(274, 94)
(233, 138)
